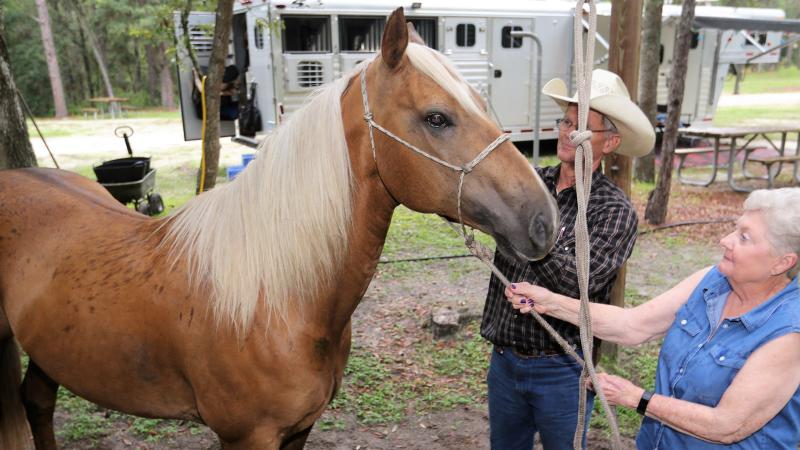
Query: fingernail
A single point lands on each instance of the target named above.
(513, 286)
(524, 300)
(530, 301)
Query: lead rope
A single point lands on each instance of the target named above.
(581, 138)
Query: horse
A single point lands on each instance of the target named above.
(234, 312)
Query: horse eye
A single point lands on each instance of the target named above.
(437, 120)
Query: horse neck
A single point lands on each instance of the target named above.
(372, 213)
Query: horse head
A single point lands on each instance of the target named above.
(436, 150)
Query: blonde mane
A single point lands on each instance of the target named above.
(281, 229)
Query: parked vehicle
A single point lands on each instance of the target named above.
(287, 48)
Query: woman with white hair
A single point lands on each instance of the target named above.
(729, 368)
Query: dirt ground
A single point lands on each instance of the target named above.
(660, 259)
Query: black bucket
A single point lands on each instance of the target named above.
(122, 170)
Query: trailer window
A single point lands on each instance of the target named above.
(426, 28)
(310, 74)
(695, 39)
(361, 34)
(761, 38)
(306, 34)
(465, 35)
(507, 41)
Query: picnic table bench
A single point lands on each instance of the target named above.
(731, 135)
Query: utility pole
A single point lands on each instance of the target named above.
(623, 59)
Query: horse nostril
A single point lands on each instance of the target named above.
(538, 230)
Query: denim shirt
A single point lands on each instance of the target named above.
(697, 363)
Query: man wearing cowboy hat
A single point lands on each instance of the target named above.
(533, 384)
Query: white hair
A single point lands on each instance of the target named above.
(780, 209)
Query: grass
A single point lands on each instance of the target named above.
(784, 79)
(376, 390)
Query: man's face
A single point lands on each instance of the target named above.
(602, 142)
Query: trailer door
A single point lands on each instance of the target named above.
(260, 70)
(201, 28)
(511, 75)
(465, 45)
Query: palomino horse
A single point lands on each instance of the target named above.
(235, 311)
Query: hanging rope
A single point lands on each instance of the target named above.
(581, 138)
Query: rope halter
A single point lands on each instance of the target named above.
(462, 170)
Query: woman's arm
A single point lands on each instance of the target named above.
(759, 391)
(626, 326)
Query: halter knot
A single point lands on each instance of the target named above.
(368, 116)
(467, 168)
(577, 138)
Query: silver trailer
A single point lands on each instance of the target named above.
(287, 48)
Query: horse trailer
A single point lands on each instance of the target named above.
(288, 48)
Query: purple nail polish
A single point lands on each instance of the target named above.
(523, 300)
(513, 286)
(530, 301)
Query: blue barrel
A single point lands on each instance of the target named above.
(247, 157)
(233, 171)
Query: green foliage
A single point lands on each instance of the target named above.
(87, 421)
(132, 36)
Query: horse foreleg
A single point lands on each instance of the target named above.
(296, 441)
(39, 397)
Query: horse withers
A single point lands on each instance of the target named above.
(235, 311)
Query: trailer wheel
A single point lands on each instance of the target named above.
(142, 207)
(155, 205)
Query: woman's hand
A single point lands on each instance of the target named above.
(618, 391)
(525, 296)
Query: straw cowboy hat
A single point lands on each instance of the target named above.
(610, 97)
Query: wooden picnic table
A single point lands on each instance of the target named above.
(110, 103)
(740, 139)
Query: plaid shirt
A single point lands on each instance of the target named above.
(612, 226)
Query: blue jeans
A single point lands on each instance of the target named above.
(529, 395)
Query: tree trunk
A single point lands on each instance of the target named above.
(656, 210)
(216, 66)
(787, 62)
(155, 59)
(95, 46)
(52, 59)
(87, 63)
(645, 166)
(15, 145)
(167, 85)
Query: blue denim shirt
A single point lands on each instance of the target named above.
(697, 364)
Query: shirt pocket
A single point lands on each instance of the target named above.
(727, 358)
(714, 374)
(679, 339)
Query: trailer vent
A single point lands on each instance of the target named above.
(361, 34)
(258, 35)
(202, 39)
(310, 74)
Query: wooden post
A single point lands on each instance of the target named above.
(623, 59)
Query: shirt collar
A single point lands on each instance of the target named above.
(550, 176)
(758, 315)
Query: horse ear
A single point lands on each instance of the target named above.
(395, 39)
(413, 36)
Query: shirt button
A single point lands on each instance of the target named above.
(722, 358)
(566, 248)
(699, 345)
(725, 325)
(683, 322)
(681, 371)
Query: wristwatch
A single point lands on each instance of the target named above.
(644, 401)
